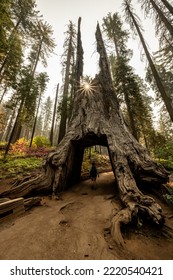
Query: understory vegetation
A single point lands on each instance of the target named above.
(23, 161)
(21, 158)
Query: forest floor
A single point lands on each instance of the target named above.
(77, 227)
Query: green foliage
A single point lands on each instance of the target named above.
(2, 145)
(102, 161)
(6, 24)
(165, 151)
(164, 154)
(161, 13)
(130, 88)
(21, 27)
(112, 26)
(168, 198)
(17, 17)
(41, 141)
(86, 165)
(22, 158)
(15, 166)
(43, 43)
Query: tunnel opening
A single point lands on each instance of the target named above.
(95, 154)
(82, 148)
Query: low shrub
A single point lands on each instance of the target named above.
(41, 141)
(19, 147)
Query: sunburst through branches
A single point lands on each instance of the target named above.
(87, 86)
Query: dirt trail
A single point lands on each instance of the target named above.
(77, 227)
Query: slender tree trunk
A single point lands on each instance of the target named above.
(78, 68)
(17, 132)
(4, 92)
(166, 99)
(78, 74)
(54, 115)
(35, 120)
(9, 127)
(79, 57)
(25, 132)
(168, 6)
(12, 135)
(37, 58)
(169, 43)
(116, 47)
(162, 17)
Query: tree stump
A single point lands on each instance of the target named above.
(97, 120)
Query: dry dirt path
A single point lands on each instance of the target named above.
(77, 227)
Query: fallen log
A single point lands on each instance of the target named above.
(10, 209)
(31, 202)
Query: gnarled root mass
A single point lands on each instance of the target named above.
(135, 202)
(131, 163)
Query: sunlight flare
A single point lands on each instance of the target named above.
(87, 86)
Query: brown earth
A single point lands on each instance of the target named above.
(77, 226)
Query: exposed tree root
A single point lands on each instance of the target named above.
(146, 206)
(167, 232)
(38, 185)
(123, 217)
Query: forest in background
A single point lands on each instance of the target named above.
(31, 123)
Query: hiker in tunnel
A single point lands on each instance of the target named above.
(93, 174)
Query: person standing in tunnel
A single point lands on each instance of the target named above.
(93, 174)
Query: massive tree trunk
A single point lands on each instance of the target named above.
(97, 120)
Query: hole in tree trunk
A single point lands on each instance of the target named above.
(86, 147)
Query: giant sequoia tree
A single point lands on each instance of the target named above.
(97, 120)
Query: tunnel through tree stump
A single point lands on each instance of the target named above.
(97, 120)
